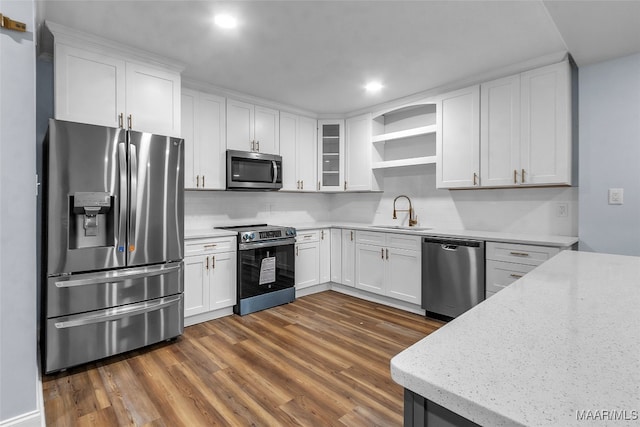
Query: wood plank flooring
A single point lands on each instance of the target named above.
(321, 360)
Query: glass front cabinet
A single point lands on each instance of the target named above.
(331, 155)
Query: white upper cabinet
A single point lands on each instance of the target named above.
(358, 175)
(546, 125)
(89, 87)
(203, 130)
(526, 128)
(458, 139)
(152, 102)
(331, 155)
(298, 150)
(252, 128)
(105, 84)
(500, 132)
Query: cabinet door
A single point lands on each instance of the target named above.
(288, 146)
(325, 256)
(370, 268)
(153, 100)
(222, 280)
(240, 120)
(306, 149)
(307, 264)
(210, 142)
(267, 130)
(358, 175)
(500, 132)
(403, 274)
(89, 87)
(196, 286)
(188, 129)
(546, 125)
(331, 155)
(348, 257)
(336, 255)
(458, 139)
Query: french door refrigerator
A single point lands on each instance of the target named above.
(113, 235)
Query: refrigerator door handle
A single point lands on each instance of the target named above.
(117, 313)
(133, 164)
(119, 276)
(122, 219)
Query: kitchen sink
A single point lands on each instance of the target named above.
(402, 227)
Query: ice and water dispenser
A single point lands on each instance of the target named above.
(92, 218)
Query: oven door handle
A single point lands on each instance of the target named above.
(273, 243)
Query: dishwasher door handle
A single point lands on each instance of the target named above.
(449, 247)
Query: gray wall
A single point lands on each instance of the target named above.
(610, 155)
(18, 334)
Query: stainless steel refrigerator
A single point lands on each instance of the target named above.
(113, 237)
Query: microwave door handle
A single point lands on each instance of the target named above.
(275, 171)
(133, 156)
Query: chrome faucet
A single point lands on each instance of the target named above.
(412, 220)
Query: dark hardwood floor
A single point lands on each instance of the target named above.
(321, 360)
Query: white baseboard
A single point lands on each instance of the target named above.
(205, 317)
(380, 299)
(313, 289)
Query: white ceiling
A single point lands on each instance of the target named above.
(317, 55)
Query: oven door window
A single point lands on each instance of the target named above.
(251, 170)
(256, 273)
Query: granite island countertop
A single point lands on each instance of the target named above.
(561, 343)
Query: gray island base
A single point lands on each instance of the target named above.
(558, 347)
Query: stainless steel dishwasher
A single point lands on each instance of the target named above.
(452, 275)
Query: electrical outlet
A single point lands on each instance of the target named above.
(562, 210)
(616, 196)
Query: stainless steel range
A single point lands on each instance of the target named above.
(266, 267)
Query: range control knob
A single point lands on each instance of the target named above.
(252, 236)
(245, 236)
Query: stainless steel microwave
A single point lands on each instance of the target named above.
(253, 171)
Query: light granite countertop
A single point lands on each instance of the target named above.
(493, 236)
(559, 344)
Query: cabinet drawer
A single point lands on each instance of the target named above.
(371, 238)
(209, 245)
(403, 241)
(521, 254)
(308, 236)
(501, 274)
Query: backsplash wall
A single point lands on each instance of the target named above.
(519, 210)
(207, 209)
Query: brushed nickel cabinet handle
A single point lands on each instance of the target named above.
(518, 253)
(345, 186)
(475, 178)
(523, 176)
(213, 261)
(121, 120)
(382, 253)
(515, 176)
(516, 276)
(212, 245)
(258, 145)
(322, 234)
(318, 185)
(197, 181)
(207, 263)
(202, 181)
(352, 236)
(130, 119)
(297, 253)
(387, 251)
(302, 185)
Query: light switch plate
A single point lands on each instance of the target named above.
(616, 196)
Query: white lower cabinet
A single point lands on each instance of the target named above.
(210, 278)
(389, 264)
(348, 249)
(307, 259)
(313, 258)
(508, 262)
(336, 255)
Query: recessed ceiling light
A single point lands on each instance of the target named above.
(223, 20)
(373, 87)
